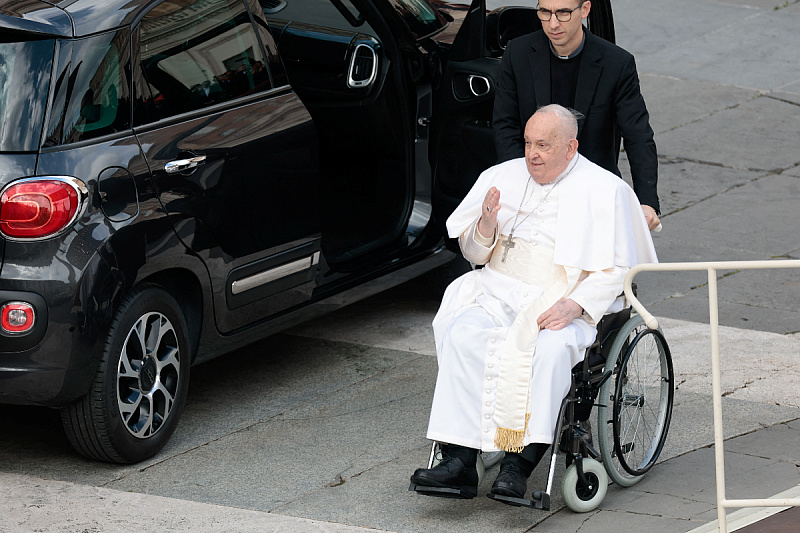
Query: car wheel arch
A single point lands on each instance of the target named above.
(193, 298)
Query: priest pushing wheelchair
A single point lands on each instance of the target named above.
(531, 342)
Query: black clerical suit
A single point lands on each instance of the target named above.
(607, 94)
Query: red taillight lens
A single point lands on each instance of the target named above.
(17, 317)
(37, 208)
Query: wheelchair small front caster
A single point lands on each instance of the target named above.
(584, 498)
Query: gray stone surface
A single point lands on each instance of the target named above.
(773, 122)
(683, 183)
(711, 41)
(680, 101)
(57, 506)
(749, 221)
(342, 454)
(319, 429)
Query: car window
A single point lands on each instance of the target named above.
(321, 13)
(196, 54)
(24, 81)
(92, 96)
(421, 17)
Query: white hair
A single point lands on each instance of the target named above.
(567, 117)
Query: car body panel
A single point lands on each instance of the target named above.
(261, 232)
(261, 162)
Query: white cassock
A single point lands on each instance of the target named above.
(582, 234)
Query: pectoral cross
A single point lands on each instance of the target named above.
(507, 244)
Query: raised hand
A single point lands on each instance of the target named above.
(488, 220)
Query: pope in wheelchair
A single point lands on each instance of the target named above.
(514, 338)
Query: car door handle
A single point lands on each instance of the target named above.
(181, 165)
(478, 85)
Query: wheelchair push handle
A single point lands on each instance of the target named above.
(648, 318)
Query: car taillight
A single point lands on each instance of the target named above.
(17, 317)
(34, 208)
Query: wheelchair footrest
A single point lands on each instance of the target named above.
(443, 492)
(541, 500)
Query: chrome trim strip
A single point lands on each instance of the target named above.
(256, 280)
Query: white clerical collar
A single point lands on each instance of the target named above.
(574, 53)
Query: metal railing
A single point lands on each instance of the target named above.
(712, 268)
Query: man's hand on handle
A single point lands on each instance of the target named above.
(651, 217)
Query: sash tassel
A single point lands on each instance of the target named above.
(511, 440)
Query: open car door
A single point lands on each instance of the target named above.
(462, 140)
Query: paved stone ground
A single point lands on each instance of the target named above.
(327, 422)
(319, 429)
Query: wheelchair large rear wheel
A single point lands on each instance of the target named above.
(635, 404)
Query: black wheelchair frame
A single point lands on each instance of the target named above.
(627, 373)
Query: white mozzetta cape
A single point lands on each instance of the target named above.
(600, 220)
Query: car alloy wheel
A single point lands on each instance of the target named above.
(148, 375)
(140, 386)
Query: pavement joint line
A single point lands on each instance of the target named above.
(749, 515)
(785, 101)
(684, 519)
(720, 193)
(667, 158)
(584, 522)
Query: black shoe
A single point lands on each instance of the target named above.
(450, 478)
(512, 481)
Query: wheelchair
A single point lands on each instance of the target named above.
(627, 374)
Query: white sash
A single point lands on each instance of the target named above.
(534, 265)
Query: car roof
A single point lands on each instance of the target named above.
(34, 16)
(69, 18)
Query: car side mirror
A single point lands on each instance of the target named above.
(506, 23)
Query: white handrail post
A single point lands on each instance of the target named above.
(652, 322)
(719, 452)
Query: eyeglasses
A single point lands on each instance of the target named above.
(562, 15)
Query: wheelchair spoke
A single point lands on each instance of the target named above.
(638, 402)
(639, 419)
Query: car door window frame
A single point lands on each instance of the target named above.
(145, 113)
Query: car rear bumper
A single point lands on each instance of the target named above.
(50, 366)
(55, 362)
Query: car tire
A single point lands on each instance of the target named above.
(139, 389)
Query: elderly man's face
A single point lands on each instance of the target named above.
(547, 150)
